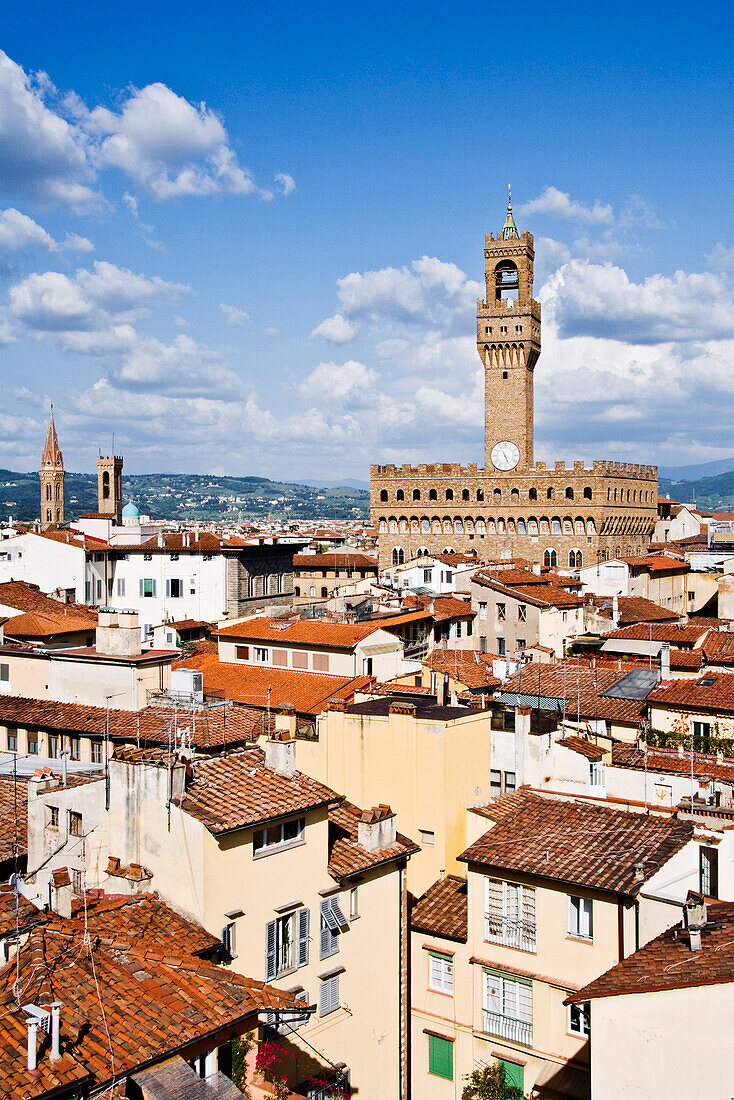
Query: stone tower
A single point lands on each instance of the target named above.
(109, 486)
(508, 342)
(52, 479)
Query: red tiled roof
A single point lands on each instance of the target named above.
(142, 919)
(444, 607)
(686, 658)
(699, 693)
(33, 624)
(582, 746)
(718, 647)
(442, 910)
(669, 760)
(467, 666)
(680, 636)
(307, 632)
(28, 597)
(27, 914)
(347, 857)
(340, 559)
(667, 962)
(579, 843)
(258, 685)
(237, 790)
(13, 817)
(658, 564)
(210, 727)
(581, 687)
(126, 1007)
(634, 609)
(540, 595)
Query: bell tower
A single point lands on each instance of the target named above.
(52, 479)
(508, 342)
(109, 486)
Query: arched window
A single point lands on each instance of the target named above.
(550, 559)
(383, 494)
(491, 527)
(433, 495)
(48, 515)
(436, 525)
(567, 525)
(532, 494)
(550, 493)
(313, 591)
(514, 496)
(579, 526)
(400, 495)
(532, 525)
(423, 551)
(403, 525)
(395, 555)
(324, 592)
(416, 494)
(506, 280)
(449, 494)
(297, 590)
(480, 494)
(383, 526)
(511, 526)
(500, 526)
(464, 494)
(497, 495)
(544, 525)
(106, 484)
(48, 491)
(393, 524)
(521, 527)
(569, 492)
(448, 526)
(458, 527)
(556, 525)
(575, 558)
(587, 493)
(469, 526)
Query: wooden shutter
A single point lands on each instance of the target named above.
(528, 917)
(492, 992)
(493, 906)
(341, 921)
(153, 587)
(325, 934)
(303, 915)
(329, 995)
(440, 1057)
(271, 946)
(168, 588)
(142, 587)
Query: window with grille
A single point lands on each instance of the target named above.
(440, 973)
(501, 612)
(509, 914)
(580, 918)
(522, 613)
(333, 922)
(507, 1005)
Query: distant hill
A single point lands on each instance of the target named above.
(696, 473)
(193, 496)
(714, 493)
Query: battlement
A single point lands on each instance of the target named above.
(599, 467)
(509, 306)
(525, 238)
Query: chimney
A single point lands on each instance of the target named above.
(32, 1044)
(639, 869)
(285, 719)
(376, 828)
(536, 568)
(280, 753)
(665, 661)
(615, 610)
(55, 1030)
(160, 538)
(118, 633)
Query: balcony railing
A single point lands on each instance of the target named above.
(505, 1027)
(509, 931)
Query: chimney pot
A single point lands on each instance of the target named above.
(32, 1045)
(376, 828)
(55, 1030)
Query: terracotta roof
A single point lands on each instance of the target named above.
(74, 538)
(714, 691)
(667, 962)
(580, 686)
(658, 564)
(669, 760)
(28, 597)
(582, 746)
(32, 624)
(398, 618)
(574, 842)
(540, 595)
(237, 790)
(634, 609)
(142, 919)
(444, 607)
(143, 1004)
(442, 910)
(210, 727)
(27, 913)
(255, 685)
(468, 666)
(13, 818)
(718, 647)
(680, 636)
(341, 559)
(686, 658)
(306, 632)
(346, 856)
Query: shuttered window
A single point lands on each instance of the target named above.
(333, 922)
(286, 943)
(507, 1007)
(509, 910)
(440, 972)
(580, 918)
(441, 1057)
(329, 995)
(514, 1074)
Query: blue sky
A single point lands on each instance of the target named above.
(250, 241)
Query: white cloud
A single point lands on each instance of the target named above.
(721, 258)
(335, 330)
(233, 315)
(19, 232)
(346, 383)
(287, 182)
(559, 204)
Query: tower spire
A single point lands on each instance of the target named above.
(52, 452)
(509, 229)
(51, 475)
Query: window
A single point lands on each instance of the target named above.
(522, 613)
(550, 559)
(333, 922)
(76, 881)
(579, 1022)
(280, 658)
(99, 589)
(283, 835)
(509, 914)
(508, 1008)
(501, 647)
(227, 938)
(495, 783)
(321, 662)
(482, 611)
(147, 586)
(54, 746)
(514, 1074)
(53, 816)
(96, 751)
(580, 918)
(120, 586)
(242, 652)
(354, 903)
(441, 973)
(75, 824)
(427, 836)
(521, 643)
(286, 943)
(299, 660)
(709, 872)
(510, 781)
(260, 654)
(74, 748)
(441, 1057)
(329, 995)
(501, 612)
(427, 576)
(12, 740)
(147, 557)
(87, 591)
(175, 588)
(597, 775)
(32, 743)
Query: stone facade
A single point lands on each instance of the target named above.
(109, 486)
(561, 515)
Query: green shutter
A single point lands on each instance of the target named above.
(514, 1074)
(440, 1057)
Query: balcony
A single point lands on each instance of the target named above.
(509, 931)
(505, 1027)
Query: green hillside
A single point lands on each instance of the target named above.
(714, 493)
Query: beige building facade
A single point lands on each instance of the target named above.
(560, 515)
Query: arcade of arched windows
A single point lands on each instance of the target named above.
(467, 525)
(513, 495)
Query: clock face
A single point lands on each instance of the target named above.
(505, 455)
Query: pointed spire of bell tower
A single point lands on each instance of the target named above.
(509, 229)
(52, 452)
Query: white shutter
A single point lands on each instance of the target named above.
(524, 1002)
(168, 588)
(528, 917)
(329, 917)
(448, 976)
(142, 587)
(585, 919)
(154, 583)
(325, 934)
(303, 915)
(493, 907)
(492, 993)
(510, 998)
(271, 944)
(436, 973)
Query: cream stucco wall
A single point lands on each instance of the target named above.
(89, 682)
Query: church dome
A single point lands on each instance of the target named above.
(130, 511)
